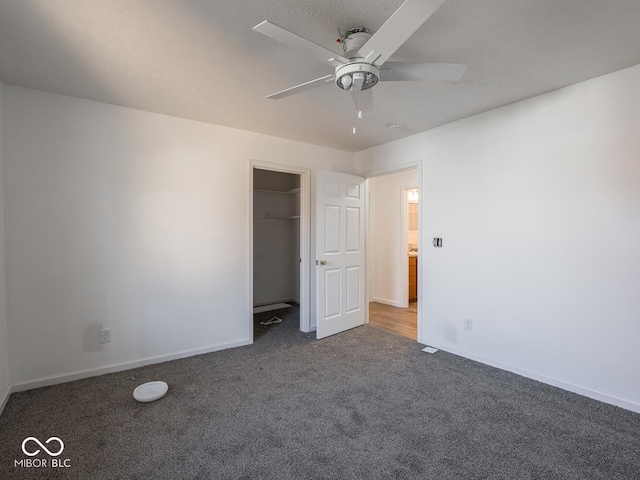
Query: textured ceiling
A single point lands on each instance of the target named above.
(200, 59)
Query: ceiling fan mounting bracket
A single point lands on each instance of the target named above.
(354, 41)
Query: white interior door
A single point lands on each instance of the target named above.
(340, 252)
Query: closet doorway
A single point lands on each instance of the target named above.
(279, 250)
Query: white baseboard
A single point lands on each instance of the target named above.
(586, 392)
(94, 372)
(386, 301)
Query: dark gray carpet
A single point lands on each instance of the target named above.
(365, 404)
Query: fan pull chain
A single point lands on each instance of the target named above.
(358, 111)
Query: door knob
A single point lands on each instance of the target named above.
(323, 262)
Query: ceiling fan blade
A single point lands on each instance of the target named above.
(363, 100)
(298, 43)
(397, 29)
(303, 87)
(426, 72)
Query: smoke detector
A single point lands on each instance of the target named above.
(396, 126)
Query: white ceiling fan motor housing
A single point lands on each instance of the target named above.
(345, 73)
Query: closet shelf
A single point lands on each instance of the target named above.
(295, 191)
(271, 216)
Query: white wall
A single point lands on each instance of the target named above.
(127, 220)
(538, 205)
(388, 246)
(4, 352)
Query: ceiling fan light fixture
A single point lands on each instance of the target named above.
(345, 75)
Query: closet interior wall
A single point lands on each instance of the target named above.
(276, 237)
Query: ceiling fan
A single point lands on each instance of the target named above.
(364, 61)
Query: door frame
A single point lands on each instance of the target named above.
(421, 238)
(305, 236)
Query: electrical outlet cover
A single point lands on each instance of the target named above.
(105, 335)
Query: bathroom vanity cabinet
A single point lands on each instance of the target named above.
(413, 278)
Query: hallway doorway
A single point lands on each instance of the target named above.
(393, 252)
(402, 321)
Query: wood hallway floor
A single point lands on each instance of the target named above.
(403, 321)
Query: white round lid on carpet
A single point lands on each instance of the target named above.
(150, 391)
